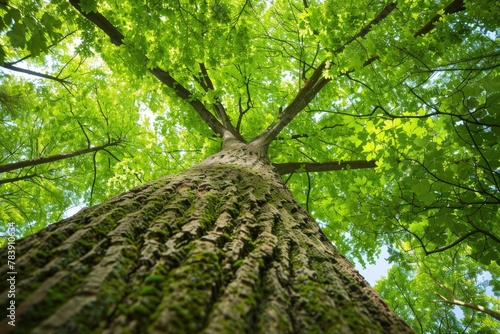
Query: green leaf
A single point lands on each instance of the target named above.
(17, 35)
(13, 14)
(37, 43)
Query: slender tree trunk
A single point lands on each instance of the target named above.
(220, 248)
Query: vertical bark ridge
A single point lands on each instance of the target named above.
(223, 247)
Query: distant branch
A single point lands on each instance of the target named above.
(33, 73)
(50, 46)
(303, 167)
(454, 243)
(19, 178)
(43, 160)
(472, 306)
(453, 7)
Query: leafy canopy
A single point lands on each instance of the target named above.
(397, 104)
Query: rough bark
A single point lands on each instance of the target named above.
(221, 248)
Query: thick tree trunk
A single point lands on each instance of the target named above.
(221, 248)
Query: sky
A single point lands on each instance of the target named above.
(373, 272)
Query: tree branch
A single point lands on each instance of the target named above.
(305, 95)
(33, 73)
(472, 306)
(312, 87)
(117, 39)
(454, 243)
(19, 178)
(43, 160)
(454, 7)
(218, 107)
(366, 29)
(306, 167)
(50, 46)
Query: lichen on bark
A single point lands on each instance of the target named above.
(223, 247)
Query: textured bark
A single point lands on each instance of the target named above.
(221, 248)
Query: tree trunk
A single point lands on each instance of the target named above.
(220, 248)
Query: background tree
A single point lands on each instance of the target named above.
(445, 291)
(408, 91)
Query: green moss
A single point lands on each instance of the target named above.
(123, 309)
(140, 309)
(302, 279)
(238, 263)
(56, 296)
(55, 237)
(131, 242)
(86, 243)
(154, 279)
(149, 290)
(151, 302)
(39, 257)
(210, 210)
(160, 270)
(190, 291)
(159, 235)
(261, 262)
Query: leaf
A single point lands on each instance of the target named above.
(13, 14)
(37, 43)
(17, 35)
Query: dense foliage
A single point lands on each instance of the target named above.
(411, 89)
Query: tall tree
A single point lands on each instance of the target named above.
(408, 93)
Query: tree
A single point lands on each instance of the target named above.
(399, 101)
(429, 289)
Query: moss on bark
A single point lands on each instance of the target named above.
(223, 247)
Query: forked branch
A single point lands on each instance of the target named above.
(164, 76)
(312, 87)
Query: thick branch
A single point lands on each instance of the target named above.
(117, 39)
(219, 108)
(312, 87)
(52, 158)
(302, 167)
(472, 306)
(186, 95)
(366, 29)
(454, 7)
(305, 95)
(100, 21)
